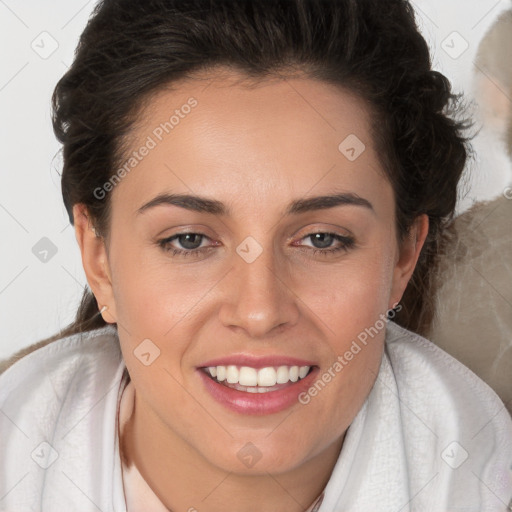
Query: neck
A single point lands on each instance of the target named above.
(184, 480)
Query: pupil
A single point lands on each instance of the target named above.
(324, 238)
(185, 241)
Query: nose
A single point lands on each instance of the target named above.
(258, 297)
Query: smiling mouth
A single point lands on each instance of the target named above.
(257, 380)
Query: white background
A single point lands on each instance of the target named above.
(36, 298)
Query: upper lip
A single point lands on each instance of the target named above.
(256, 361)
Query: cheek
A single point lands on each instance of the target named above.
(350, 295)
(352, 305)
(153, 303)
(152, 294)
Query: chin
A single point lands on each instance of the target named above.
(259, 457)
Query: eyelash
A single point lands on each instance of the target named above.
(347, 243)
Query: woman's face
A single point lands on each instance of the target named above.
(290, 260)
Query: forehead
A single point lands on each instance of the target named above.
(225, 134)
(230, 101)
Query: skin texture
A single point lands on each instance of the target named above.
(255, 149)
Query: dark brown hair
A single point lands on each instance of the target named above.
(131, 50)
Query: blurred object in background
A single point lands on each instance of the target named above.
(493, 79)
(473, 320)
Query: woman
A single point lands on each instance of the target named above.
(253, 185)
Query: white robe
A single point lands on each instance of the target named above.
(431, 436)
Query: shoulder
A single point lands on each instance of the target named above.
(58, 410)
(422, 363)
(468, 424)
(61, 359)
(451, 418)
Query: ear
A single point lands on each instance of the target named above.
(95, 262)
(408, 254)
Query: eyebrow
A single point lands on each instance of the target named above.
(214, 207)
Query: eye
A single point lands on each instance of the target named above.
(191, 244)
(322, 243)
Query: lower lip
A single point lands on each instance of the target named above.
(258, 403)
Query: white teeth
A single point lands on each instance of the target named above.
(256, 380)
(267, 377)
(303, 371)
(248, 376)
(221, 373)
(232, 374)
(283, 375)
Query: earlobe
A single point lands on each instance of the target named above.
(95, 262)
(408, 255)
